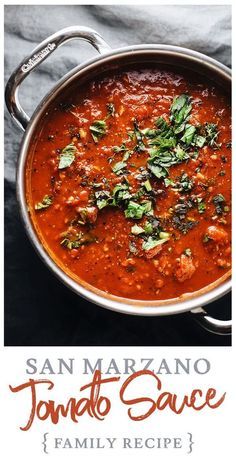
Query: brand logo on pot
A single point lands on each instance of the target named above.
(38, 57)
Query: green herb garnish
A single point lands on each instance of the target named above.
(199, 141)
(180, 110)
(156, 169)
(139, 138)
(188, 135)
(184, 184)
(211, 133)
(183, 226)
(160, 161)
(137, 230)
(147, 185)
(201, 206)
(168, 182)
(45, 203)
(119, 167)
(67, 156)
(121, 194)
(152, 242)
(78, 241)
(110, 109)
(120, 149)
(136, 211)
(219, 202)
(132, 248)
(103, 199)
(98, 130)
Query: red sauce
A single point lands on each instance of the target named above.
(182, 243)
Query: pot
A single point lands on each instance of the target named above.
(110, 59)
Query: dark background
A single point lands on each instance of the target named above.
(38, 309)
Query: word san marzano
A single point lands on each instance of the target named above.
(92, 400)
(113, 366)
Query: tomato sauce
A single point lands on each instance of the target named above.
(128, 183)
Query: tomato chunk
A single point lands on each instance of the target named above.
(185, 268)
(217, 234)
(153, 252)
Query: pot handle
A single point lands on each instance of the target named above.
(39, 54)
(211, 324)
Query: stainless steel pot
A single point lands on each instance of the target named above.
(108, 60)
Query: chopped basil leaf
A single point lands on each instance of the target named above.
(119, 187)
(126, 155)
(147, 185)
(78, 241)
(70, 244)
(163, 143)
(139, 138)
(180, 211)
(195, 155)
(199, 141)
(219, 202)
(97, 185)
(98, 129)
(183, 226)
(136, 210)
(148, 228)
(149, 133)
(118, 167)
(168, 182)
(132, 248)
(180, 155)
(120, 194)
(148, 210)
(137, 230)
(188, 135)
(157, 170)
(67, 156)
(164, 130)
(152, 242)
(110, 109)
(160, 161)
(211, 134)
(103, 199)
(180, 110)
(120, 149)
(201, 206)
(185, 184)
(45, 203)
(152, 226)
(183, 207)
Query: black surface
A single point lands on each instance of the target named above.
(39, 310)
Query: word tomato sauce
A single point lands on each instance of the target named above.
(128, 183)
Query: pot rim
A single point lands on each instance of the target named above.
(182, 304)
